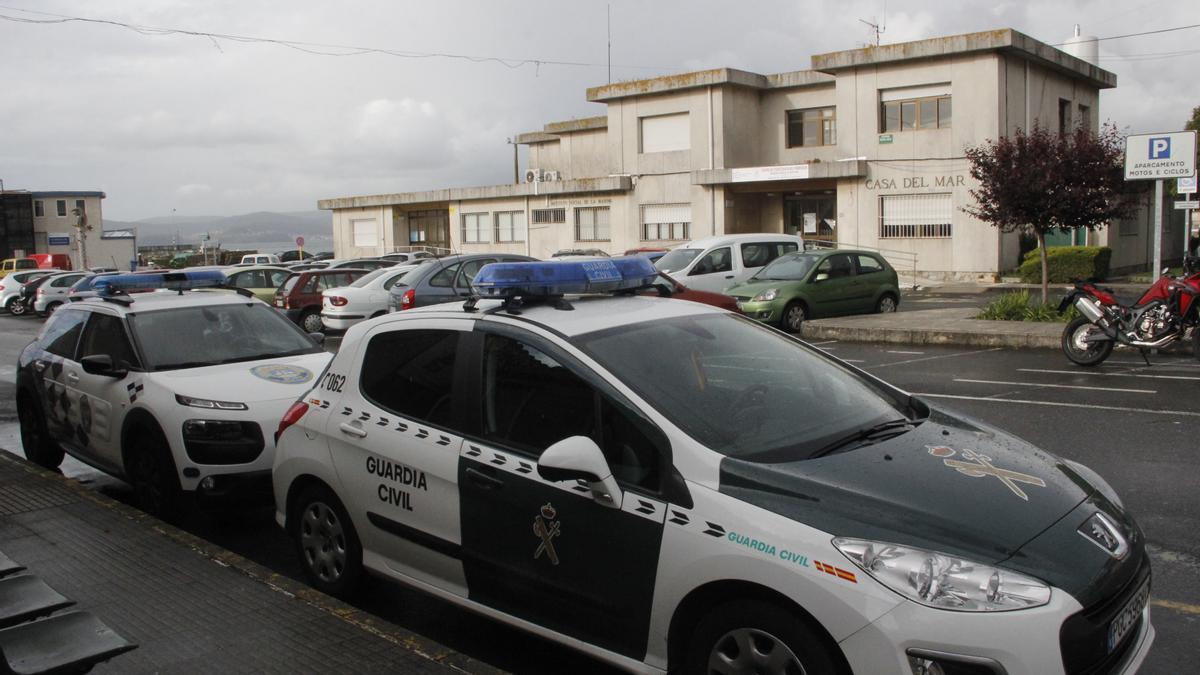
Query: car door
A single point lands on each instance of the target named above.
(870, 278)
(439, 288)
(832, 285)
(103, 400)
(466, 274)
(713, 271)
(392, 442)
(549, 552)
(58, 371)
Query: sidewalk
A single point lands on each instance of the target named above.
(191, 606)
(953, 326)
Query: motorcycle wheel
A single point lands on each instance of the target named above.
(1080, 352)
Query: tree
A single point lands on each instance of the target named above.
(1194, 123)
(1038, 181)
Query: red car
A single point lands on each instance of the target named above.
(667, 287)
(299, 297)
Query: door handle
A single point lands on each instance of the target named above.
(351, 430)
(39, 365)
(482, 480)
(728, 276)
(72, 378)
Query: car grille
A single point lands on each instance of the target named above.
(741, 298)
(1084, 635)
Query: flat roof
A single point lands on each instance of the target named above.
(558, 187)
(68, 193)
(552, 130)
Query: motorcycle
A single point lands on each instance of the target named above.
(1166, 313)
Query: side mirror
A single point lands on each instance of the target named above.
(821, 276)
(102, 364)
(579, 458)
(318, 338)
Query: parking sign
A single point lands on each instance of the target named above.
(1155, 156)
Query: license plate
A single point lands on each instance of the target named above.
(1127, 618)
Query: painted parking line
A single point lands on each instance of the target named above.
(1158, 363)
(1181, 607)
(936, 357)
(1060, 404)
(818, 344)
(1057, 386)
(1100, 374)
(893, 351)
(854, 360)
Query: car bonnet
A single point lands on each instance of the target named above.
(247, 381)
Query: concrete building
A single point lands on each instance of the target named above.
(864, 149)
(46, 222)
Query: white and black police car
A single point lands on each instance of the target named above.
(671, 487)
(176, 391)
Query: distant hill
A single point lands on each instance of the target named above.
(261, 226)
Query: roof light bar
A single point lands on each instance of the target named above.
(557, 278)
(175, 281)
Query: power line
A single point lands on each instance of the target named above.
(1129, 35)
(315, 48)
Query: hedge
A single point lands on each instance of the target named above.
(1067, 263)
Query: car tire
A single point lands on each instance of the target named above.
(50, 309)
(326, 542)
(887, 303)
(16, 307)
(750, 636)
(1075, 349)
(311, 321)
(152, 473)
(39, 447)
(793, 316)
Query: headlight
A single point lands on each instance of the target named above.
(766, 296)
(211, 405)
(944, 581)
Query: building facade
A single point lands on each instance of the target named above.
(865, 149)
(48, 222)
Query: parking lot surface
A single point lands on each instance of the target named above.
(1133, 424)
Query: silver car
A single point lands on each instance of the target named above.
(10, 289)
(53, 292)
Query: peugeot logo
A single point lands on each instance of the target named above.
(1103, 532)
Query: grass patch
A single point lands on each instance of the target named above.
(1021, 306)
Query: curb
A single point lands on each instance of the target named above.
(417, 644)
(814, 331)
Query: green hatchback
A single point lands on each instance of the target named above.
(809, 284)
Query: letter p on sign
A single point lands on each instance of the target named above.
(1160, 147)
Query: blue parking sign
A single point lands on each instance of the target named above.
(1160, 147)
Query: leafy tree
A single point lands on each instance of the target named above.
(1038, 181)
(1194, 123)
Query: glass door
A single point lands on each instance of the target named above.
(812, 217)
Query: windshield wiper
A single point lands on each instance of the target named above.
(185, 364)
(267, 355)
(872, 434)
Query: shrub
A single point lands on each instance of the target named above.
(1067, 263)
(1020, 306)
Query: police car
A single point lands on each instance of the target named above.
(176, 391)
(670, 486)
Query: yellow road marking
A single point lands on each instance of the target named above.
(1183, 607)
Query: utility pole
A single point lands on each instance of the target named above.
(516, 168)
(610, 44)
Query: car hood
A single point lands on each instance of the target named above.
(752, 287)
(247, 381)
(949, 485)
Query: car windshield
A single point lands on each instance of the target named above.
(741, 389)
(790, 267)
(192, 337)
(677, 259)
(366, 279)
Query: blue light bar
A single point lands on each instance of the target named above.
(133, 283)
(562, 277)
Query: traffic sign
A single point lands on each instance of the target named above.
(1187, 205)
(1185, 186)
(300, 242)
(1157, 156)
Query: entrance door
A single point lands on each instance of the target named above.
(812, 217)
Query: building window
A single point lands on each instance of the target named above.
(475, 228)
(510, 226)
(80, 205)
(61, 206)
(591, 224)
(815, 126)
(664, 133)
(1064, 115)
(364, 231)
(915, 216)
(549, 216)
(39, 208)
(666, 222)
(930, 112)
(1085, 117)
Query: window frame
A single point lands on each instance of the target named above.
(39, 208)
(919, 231)
(481, 227)
(515, 235)
(594, 225)
(827, 133)
(548, 216)
(59, 317)
(60, 207)
(458, 379)
(136, 364)
(917, 104)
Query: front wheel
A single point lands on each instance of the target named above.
(311, 322)
(1078, 350)
(327, 543)
(744, 636)
(152, 472)
(39, 447)
(50, 308)
(792, 319)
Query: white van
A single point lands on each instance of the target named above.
(260, 259)
(716, 263)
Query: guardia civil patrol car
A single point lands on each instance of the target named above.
(671, 487)
(176, 391)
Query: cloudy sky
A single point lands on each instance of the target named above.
(220, 126)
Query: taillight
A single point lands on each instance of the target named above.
(41, 291)
(337, 300)
(408, 299)
(290, 417)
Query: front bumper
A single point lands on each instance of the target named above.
(766, 312)
(236, 489)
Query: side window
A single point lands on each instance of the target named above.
(824, 269)
(411, 373)
(105, 334)
(842, 266)
(785, 248)
(248, 280)
(61, 334)
(391, 281)
(64, 282)
(717, 260)
(755, 255)
(310, 286)
(532, 401)
(868, 265)
(469, 270)
(445, 277)
(277, 278)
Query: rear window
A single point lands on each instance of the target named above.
(289, 284)
(27, 264)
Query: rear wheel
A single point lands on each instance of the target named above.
(152, 472)
(39, 447)
(326, 542)
(746, 636)
(1081, 352)
(311, 321)
(887, 303)
(50, 308)
(17, 308)
(792, 319)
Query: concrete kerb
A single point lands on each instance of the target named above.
(410, 641)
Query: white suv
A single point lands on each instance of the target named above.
(666, 485)
(176, 392)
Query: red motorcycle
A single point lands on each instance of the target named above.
(1166, 313)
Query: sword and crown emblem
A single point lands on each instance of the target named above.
(978, 465)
